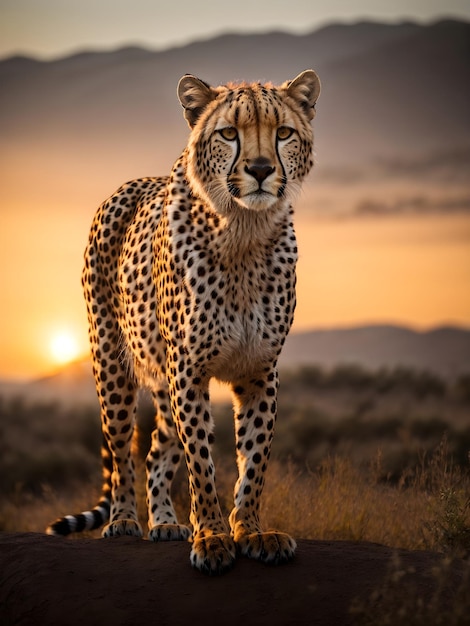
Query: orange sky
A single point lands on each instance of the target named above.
(407, 270)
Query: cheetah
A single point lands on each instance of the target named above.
(191, 277)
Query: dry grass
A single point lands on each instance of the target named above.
(397, 601)
(23, 511)
(428, 509)
(341, 501)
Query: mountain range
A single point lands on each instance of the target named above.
(389, 91)
(445, 351)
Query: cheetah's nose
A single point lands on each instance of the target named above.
(259, 168)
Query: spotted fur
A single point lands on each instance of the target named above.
(192, 277)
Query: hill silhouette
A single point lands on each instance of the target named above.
(443, 351)
(388, 90)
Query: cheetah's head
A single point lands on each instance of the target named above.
(250, 144)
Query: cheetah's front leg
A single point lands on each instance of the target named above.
(255, 415)
(213, 550)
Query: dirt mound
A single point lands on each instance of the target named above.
(125, 581)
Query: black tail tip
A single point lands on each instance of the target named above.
(59, 527)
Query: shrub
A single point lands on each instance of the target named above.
(45, 444)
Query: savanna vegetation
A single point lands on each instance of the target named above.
(378, 456)
(357, 455)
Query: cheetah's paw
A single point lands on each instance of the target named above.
(122, 527)
(169, 532)
(272, 548)
(213, 554)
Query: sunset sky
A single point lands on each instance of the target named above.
(356, 271)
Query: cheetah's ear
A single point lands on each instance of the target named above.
(305, 89)
(194, 95)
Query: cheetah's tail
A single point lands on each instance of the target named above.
(87, 520)
(98, 515)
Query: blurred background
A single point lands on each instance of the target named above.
(379, 356)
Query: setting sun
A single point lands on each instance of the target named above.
(64, 347)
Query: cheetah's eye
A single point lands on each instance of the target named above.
(284, 132)
(229, 133)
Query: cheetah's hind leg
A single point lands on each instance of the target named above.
(162, 462)
(122, 527)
